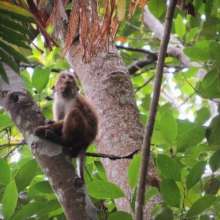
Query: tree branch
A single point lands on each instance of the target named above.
(137, 65)
(140, 50)
(175, 47)
(60, 172)
(153, 111)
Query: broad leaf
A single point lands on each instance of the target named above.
(119, 215)
(14, 8)
(199, 51)
(201, 205)
(165, 214)
(104, 190)
(195, 174)
(170, 192)
(157, 7)
(5, 121)
(212, 133)
(133, 170)
(202, 115)
(180, 27)
(168, 127)
(40, 78)
(169, 168)
(189, 134)
(5, 172)
(214, 161)
(25, 174)
(9, 200)
(209, 86)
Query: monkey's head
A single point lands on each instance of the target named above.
(66, 86)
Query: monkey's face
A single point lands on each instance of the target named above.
(66, 85)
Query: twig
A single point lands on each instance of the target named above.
(146, 83)
(12, 144)
(153, 111)
(140, 50)
(112, 157)
(88, 154)
(137, 65)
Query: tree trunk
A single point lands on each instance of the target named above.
(106, 82)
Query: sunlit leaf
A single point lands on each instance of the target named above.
(133, 170)
(14, 8)
(40, 78)
(180, 27)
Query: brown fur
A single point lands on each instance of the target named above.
(75, 125)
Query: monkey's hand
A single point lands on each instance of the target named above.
(51, 132)
(44, 132)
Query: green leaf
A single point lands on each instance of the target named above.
(212, 133)
(13, 37)
(212, 186)
(39, 188)
(3, 74)
(169, 168)
(157, 7)
(104, 190)
(195, 174)
(119, 215)
(180, 27)
(199, 51)
(201, 205)
(5, 172)
(40, 78)
(165, 214)
(214, 161)
(168, 127)
(133, 170)
(170, 192)
(28, 210)
(189, 134)
(12, 23)
(9, 200)
(36, 208)
(16, 55)
(209, 87)
(5, 121)
(25, 174)
(202, 115)
(14, 8)
(8, 60)
(100, 169)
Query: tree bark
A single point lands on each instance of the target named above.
(59, 170)
(107, 83)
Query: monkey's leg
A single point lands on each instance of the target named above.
(73, 133)
(52, 132)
